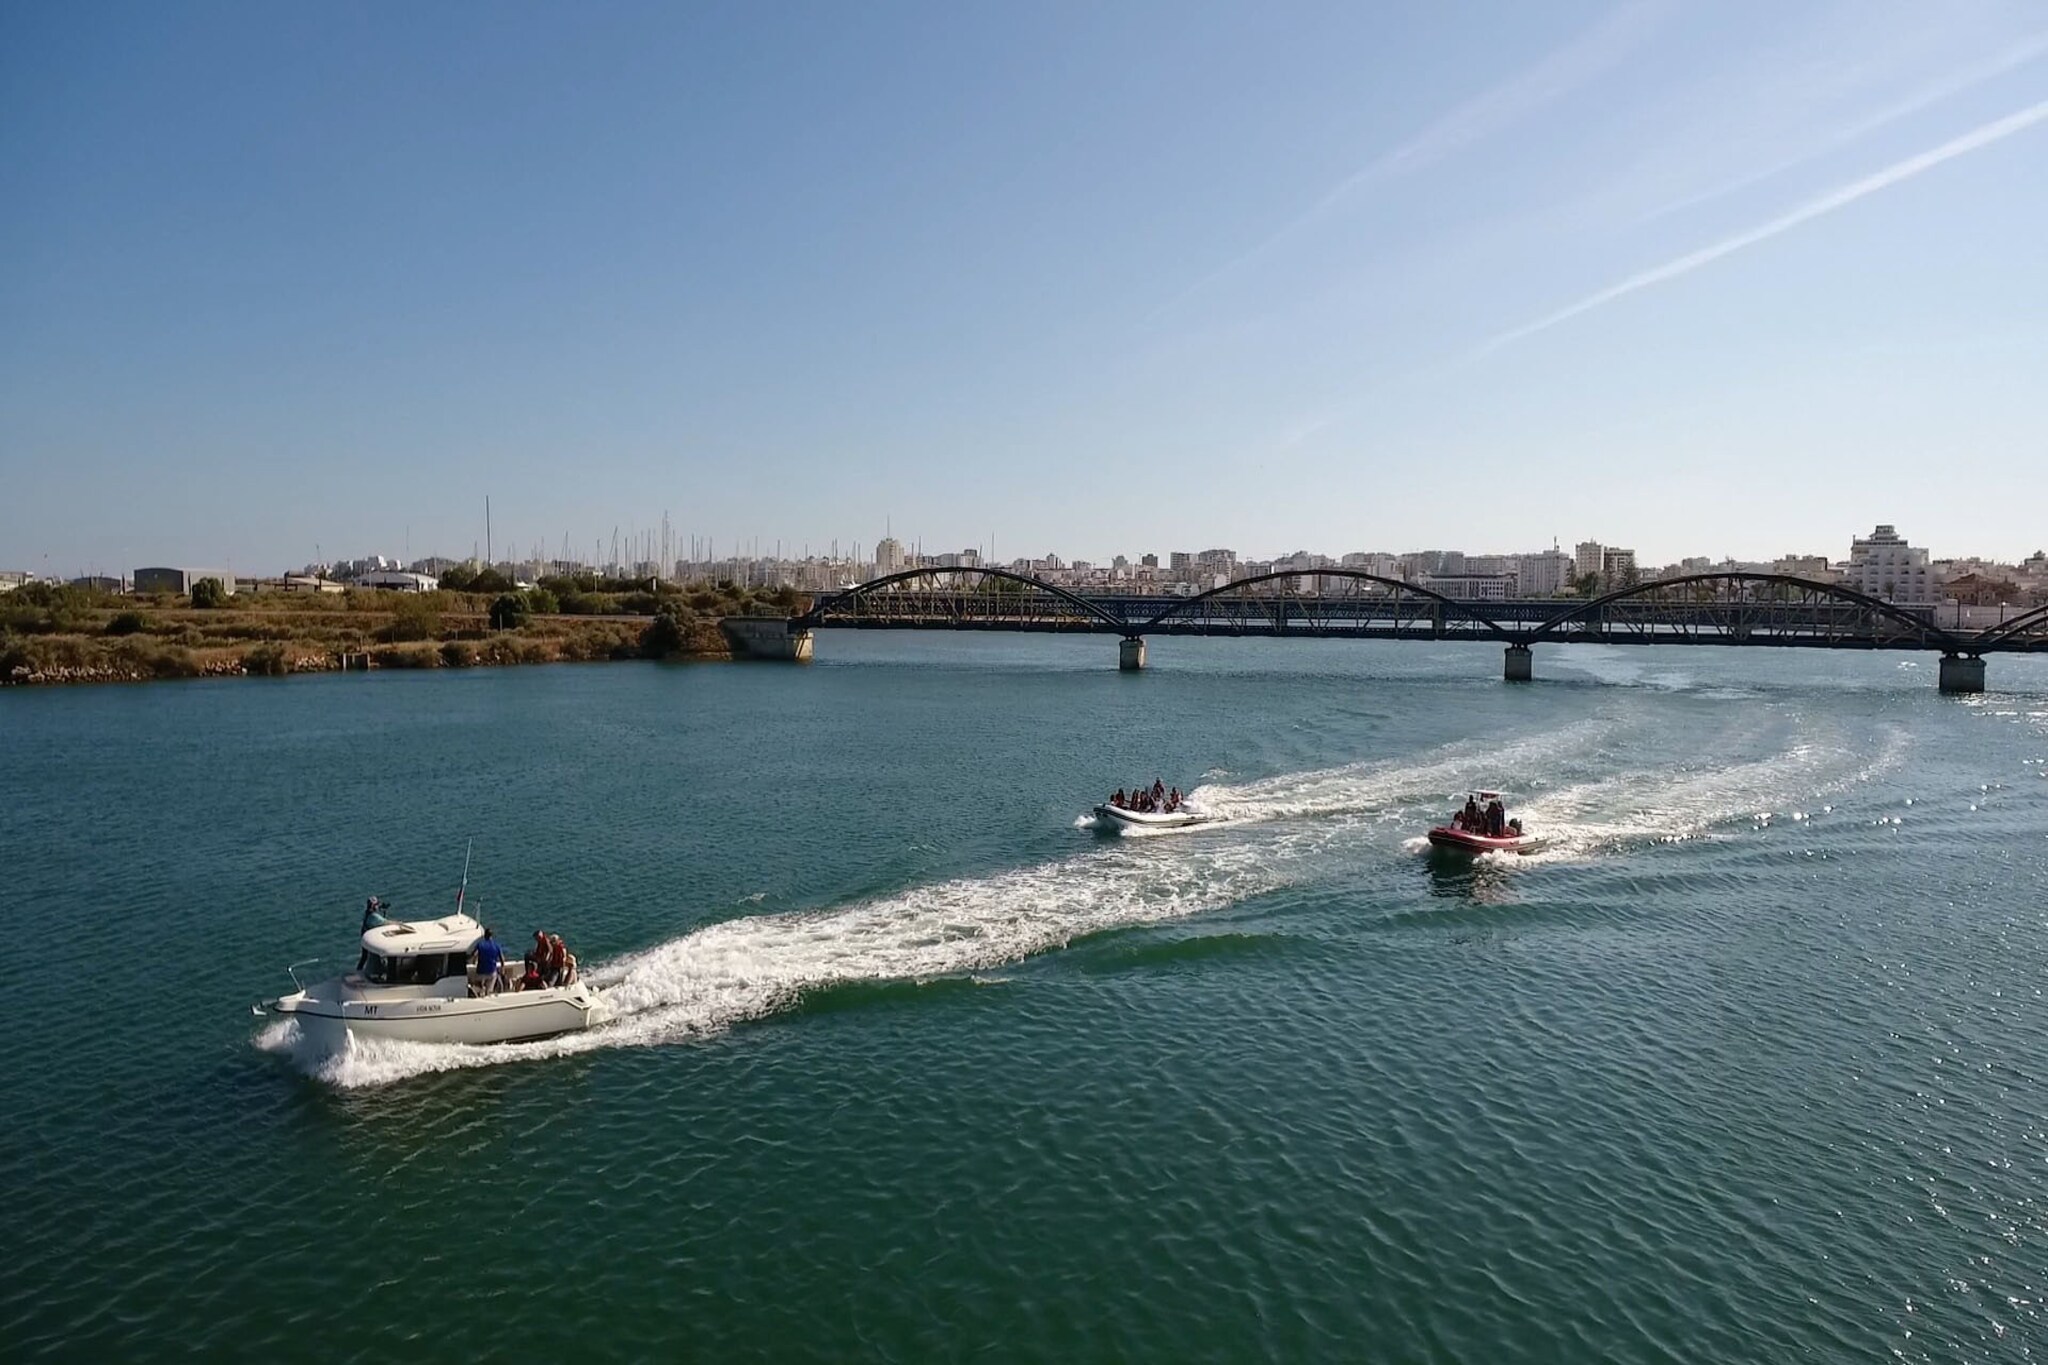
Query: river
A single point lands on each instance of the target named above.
(1746, 1066)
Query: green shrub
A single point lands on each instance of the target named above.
(268, 660)
(209, 593)
(127, 623)
(668, 634)
(509, 612)
(414, 618)
(541, 602)
(459, 654)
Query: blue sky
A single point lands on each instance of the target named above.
(1702, 278)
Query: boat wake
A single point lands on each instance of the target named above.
(1303, 828)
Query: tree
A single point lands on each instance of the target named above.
(208, 593)
(458, 577)
(509, 612)
(668, 634)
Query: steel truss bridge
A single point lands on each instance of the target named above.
(1746, 609)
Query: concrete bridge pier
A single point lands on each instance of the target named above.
(766, 637)
(1521, 664)
(1130, 653)
(1962, 673)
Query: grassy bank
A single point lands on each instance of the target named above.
(57, 635)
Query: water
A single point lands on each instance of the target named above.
(905, 1066)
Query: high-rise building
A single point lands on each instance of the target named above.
(1587, 558)
(888, 555)
(1617, 568)
(1883, 565)
(1543, 574)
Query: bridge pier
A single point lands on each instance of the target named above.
(766, 637)
(1130, 653)
(1962, 673)
(1521, 664)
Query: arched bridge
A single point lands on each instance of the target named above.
(1739, 609)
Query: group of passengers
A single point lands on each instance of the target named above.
(1154, 800)
(1492, 822)
(548, 963)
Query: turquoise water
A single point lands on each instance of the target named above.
(905, 1066)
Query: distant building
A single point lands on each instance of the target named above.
(93, 582)
(1617, 567)
(888, 556)
(398, 580)
(1473, 587)
(178, 581)
(1544, 574)
(1586, 558)
(10, 579)
(1148, 561)
(1884, 566)
(1813, 567)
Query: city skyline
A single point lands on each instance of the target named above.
(286, 278)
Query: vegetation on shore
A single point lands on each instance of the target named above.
(54, 634)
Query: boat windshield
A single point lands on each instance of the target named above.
(420, 969)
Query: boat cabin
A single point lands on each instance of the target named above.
(419, 952)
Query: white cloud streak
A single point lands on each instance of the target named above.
(2025, 52)
(1557, 74)
(1996, 131)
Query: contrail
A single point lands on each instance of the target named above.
(1996, 131)
(1586, 57)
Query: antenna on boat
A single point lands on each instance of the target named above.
(463, 889)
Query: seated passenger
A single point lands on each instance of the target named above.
(1118, 799)
(568, 969)
(533, 980)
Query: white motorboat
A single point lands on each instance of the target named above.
(1116, 817)
(415, 984)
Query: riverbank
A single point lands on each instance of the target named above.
(51, 635)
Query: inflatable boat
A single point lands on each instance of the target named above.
(1117, 817)
(1445, 836)
(1471, 841)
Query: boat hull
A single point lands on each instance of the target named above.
(1462, 841)
(509, 1018)
(1113, 817)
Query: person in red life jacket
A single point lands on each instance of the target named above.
(557, 961)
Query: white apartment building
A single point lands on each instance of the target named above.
(1884, 566)
(1543, 574)
(888, 556)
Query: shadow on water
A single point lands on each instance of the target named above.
(1460, 876)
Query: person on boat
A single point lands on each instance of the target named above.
(490, 956)
(532, 981)
(1118, 799)
(1496, 819)
(1173, 801)
(568, 968)
(1471, 815)
(373, 914)
(557, 961)
(1158, 790)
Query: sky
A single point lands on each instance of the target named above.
(287, 280)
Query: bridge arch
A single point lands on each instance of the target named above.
(1940, 639)
(1464, 610)
(816, 615)
(2034, 619)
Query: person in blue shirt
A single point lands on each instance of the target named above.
(490, 956)
(373, 914)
